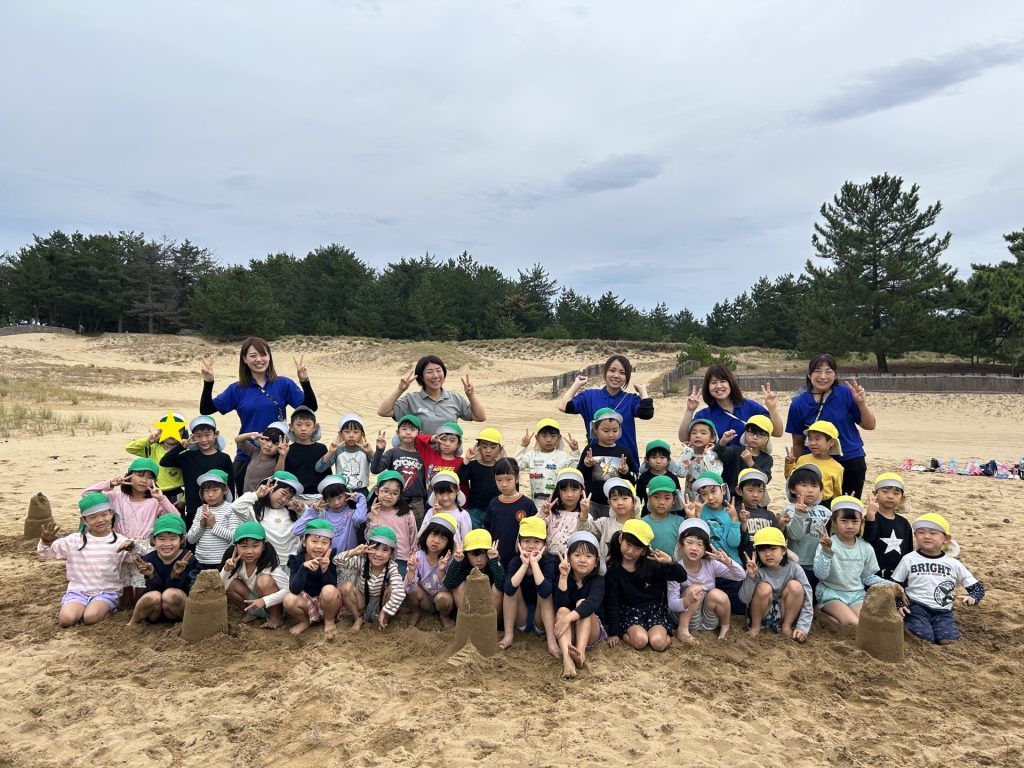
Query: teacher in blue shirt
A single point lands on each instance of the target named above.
(727, 408)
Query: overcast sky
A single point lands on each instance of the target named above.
(666, 151)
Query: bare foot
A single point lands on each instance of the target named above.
(787, 630)
(754, 631)
(686, 637)
(568, 670)
(271, 624)
(357, 624)
(554, 650)
(414, 618)
(447, 622)
(506, 642)
(578, 655)
(329, 630)
(299, 628)
(248, 618)
(723, 630)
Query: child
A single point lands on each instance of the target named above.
(349, 454)
(95, 558)
(378, 590)
(699, 455)
(305, 452)
(507, 509)
(169, 571)
(169, 478)
(266, 452)
(344, 510)
(699, 604)
(446, 496)
(424, 582)
(929, 575)
(776, 590)
(196, 456)
(568, 512)
(313, 594)
(549, 456)
(253, 578)
(751, 487)
(578, 602)
(663, 495)
(623, 503)
(275, 507)
(805, 517)
(480, 552)
(607, 458)
(405, 460)
(884, 528)
(822, 440)
(478, 474)
(137, 501)
(210, 533)
(529, 581)
(757, 445)
(657, 459)
(390, 510)
(723, 523)
(442, 450)
(844, 563)
(635, 589)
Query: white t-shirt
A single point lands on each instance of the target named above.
(931, 580)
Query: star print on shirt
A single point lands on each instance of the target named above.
(892, 543)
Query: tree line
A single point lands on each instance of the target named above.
(875, 283)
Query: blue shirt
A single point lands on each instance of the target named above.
(839, 408)
(257, 410)
(724, 421)
(628, 404)
(725, 532)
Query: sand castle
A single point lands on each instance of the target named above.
(477, 622)
(206, 610)
(880, 630)
(39, 513)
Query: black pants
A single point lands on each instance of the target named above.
(854, 473)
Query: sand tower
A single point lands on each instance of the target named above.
(880, 630)
(477, 622)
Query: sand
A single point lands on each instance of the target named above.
(110, 695)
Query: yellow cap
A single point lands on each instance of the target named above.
(533, 527)
(769, 537)
(932, 520)
(490, 435)
(828, 428)
(549, 423)
(890, 480)
(847, 502)
(640, 530)
(446, 520)
(478, 538)
(761, 422)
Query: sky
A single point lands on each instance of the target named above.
(665, 151)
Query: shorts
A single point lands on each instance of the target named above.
(931, 624)
(111, 598)
(259, 613)
(646, 616)
(827, 595)
(602, 634)
(704, 619)
(314, 612)
(773, 619)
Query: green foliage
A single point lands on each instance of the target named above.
(700, 352)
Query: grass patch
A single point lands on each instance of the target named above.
(42, 420)
(33, 390)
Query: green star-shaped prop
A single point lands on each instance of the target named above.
(170, 427)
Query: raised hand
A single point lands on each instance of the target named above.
(790, 456)
(585, 506)
(660, 557)
(442, 564)
(641, 389)
(467, 386)
(747, 456)
(751, 565)
(365, 447)
(471, 453)
(825, 540)
(49, 532)
(282, 446)
(732, 511)
(588, 457)
(300, 368)
(525, 442)
(623, 467)
(459, 553)
(856, 390)
(571, 442)
(155, 492)
(405, 381)
(154, 436)
(375, 512)
(563, 564)
(206, 518)
(146, 570)
(870, 506)
(180, 566)
(693, 400)
(581, 381)
(120, 479)
(784, 518)
(412, 564)
(690, 508)
(727, 437)
(206, 368)
(768, 395)
(126, 546)
(744, 514)
(492, 553)
(231, 562)
(312, 565)
(382, 441)
(545, 508)
(720, 555)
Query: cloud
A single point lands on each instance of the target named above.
(914, 80)
(152, 199)
(238, 181)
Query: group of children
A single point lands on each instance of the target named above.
(600, 549)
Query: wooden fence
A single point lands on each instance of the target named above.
(880, 382)
(682, 371)
(10, 330)
(563, 380)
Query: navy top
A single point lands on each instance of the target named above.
(162, 578)
(548, 569)
(301, 579)
(503, 518)
(839, 408)
(591, 593)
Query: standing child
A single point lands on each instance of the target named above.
(844, 563)
(605, 459)
(699, 455)
(201, 452)
(752, 489)
(169, 571)
(304, 452)
(253, 578)
(567, 512)
(807, 516)
(349, 455)
(723, 523)
(390, 510)
(698, 604)
(169, 479)
(663, 495)
(344, 510)
(405, 460)
(478, 474)
(822, 440)
(507, 509)
(266, 452)
(549, 456)
(447, 497)
(424, 582)
(776, 590)
(579, 600)
(377, 592)
(929, 576)
(480, 552)
(95, 560)
(636, 585)
(313, 594)
(757, 445)
(211, 534)
(441, 450)
(884, 528)
(529, 581)
(623, 503)
(657, 459)
(273, 505)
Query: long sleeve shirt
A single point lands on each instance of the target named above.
(562, 524)
(388, 577)
(892, 540)
(194, 463)
(604, 528)
(462, 518)
(170, 478)
(479, 478)
(249, 579)
(134, 519)
(586, 598)
(709, 571)
(302, 461)
(163, 577)
(345, 521)
(353, 465)
(606, 466)
(930, 580)
(831, 474)
(645, 586)
(804, 530)
(725, 532)
(404, 527)
(778, 577)
(548, 570)
(94, 568)
(211, 543)
(277, 523)
(406, 463)
(434, 460)
(459, 570)
(301, 579)
(847, 568)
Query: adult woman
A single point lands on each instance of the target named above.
(845, 406)
(727, 408)
(433, 404)
(617, 373)
(259, 396)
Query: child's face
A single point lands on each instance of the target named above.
(100, 523)
(407, 433)
(303, 427)
(170, 443)
(889, 498)
(756, 439)
(693, 549)
(822, 377)
(140, 481)
(712, 496)
(280, 496)
(607, 432)
(436, 542)
(487, 451)
(167, 545)
(213, 494)
(317, 545)
(570, 494)
(752, 494)
(477, 558)
(660, 503)
(621, 504)
(205, 437)
(582, 561)
(771, 556)
(719, 389)
(530, 545)
(807, 493)
(268, 447)
(379, 554)
(445, 495)
(847, 528)
(547, 440)
(351, 436)
(818, 444)
(448, 444)
(389, 493)
(250, 550)
(658, 462)
(506, 484)
(930, 541)
(338, 502)
(630, 552)
(700, 436)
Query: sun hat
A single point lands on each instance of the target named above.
(93, 503)
(347, 417)
(411, 419)
(661, 483)
(205, 421)
(586, 536)
(446, 476)
(547, 424)
(144, 465)
(829, 429)
(933, 521)
(478, 538)
(218, 476)
(569, 473)
(446, 521)
(639, 530)
(657, 445)
(287, 478)
(173, 418)
(707, 479)
(330, 480)
(169, 523)
(533, 527)
(694, 524)
(848, 502)
(383, 535)
(769, 537)
(319, 527)
(763, 423)
(617, 482)
(389, 474)
(250, 530)
(751, 475)
(489, 435)
(706, 422)
(280, 426)
(889, 480)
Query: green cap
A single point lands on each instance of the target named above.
(250, 530)
(144, 465)
(657, 445)
(383, 535)
(661, 483)
(93, 503)
(319, 527)
(414, 420)
(213, 476)
(287, 478)
(607, 413)
(706, 479)
(389, 474)
(169, 523)
(706, 422)
(449, 428)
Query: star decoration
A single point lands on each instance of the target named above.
(892, 543)
(170, 427)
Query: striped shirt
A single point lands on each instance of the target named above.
(277, 574)
(134, 518)
(376, 585)
(211, 543)
(92, 569)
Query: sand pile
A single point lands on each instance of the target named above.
(39, 514)
(206, 609)
(880, 631)
(477, 622)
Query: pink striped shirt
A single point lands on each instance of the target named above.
(134, 518)
(93, 568)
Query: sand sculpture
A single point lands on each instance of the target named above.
(39, 513)
(880, 629)
(206, 610)
(477, 622)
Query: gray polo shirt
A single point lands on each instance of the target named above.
(450, 406)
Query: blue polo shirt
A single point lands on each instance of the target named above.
(258, 408)
(724, 421)
(628, 404)
(839, 408)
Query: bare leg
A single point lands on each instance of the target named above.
(760, 603)
(564, 645)
(95, 612)
(636, 636)
(443, 602)
(588, 631)
(840, 612)
(352, 600)
(514, 614)
(265, 587)
(659, 638)
(790, 603)
(148, 607)
(70, 614)
(172, 603)
(295, 607)
(330, 605)
(718, 602)
(546, 610)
